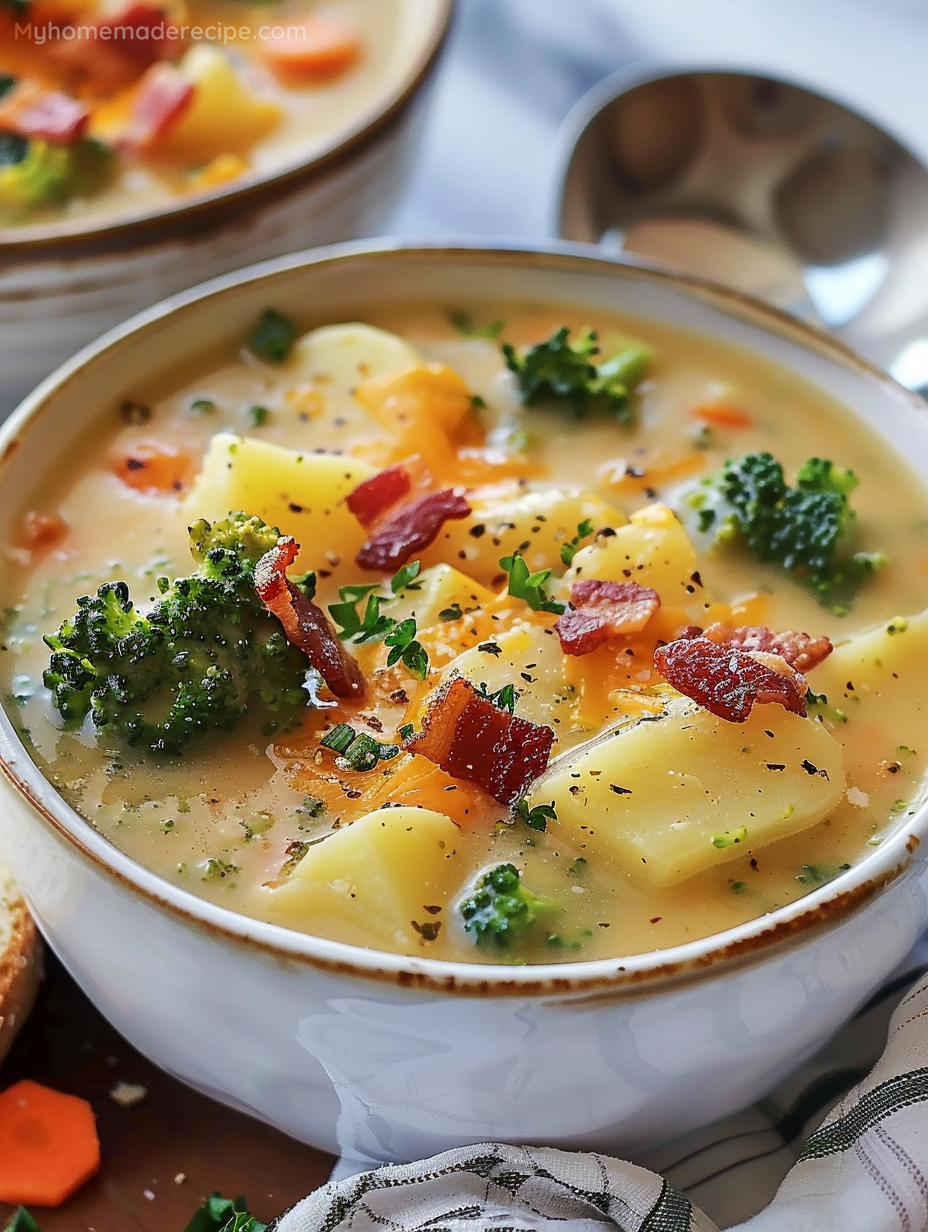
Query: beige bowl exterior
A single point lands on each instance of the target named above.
(381, 1057)
(60, 291)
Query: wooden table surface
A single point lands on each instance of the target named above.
(165, 1154)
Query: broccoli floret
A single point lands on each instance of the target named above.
(189, 665)
(557, 371)
(501, 911)
(228, 551)
(808, 530)
(36, 172)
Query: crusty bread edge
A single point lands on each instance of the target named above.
(20, 968)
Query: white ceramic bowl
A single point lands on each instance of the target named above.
(380, 1057)
(63, 284)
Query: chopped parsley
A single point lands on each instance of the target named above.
(537, 817)
(373, 624)
(405, 578)
(569, 549)
(819, 874)
(728, 838)
(503, 699)
(820, 704)
(215, 869)
(312, 806)
(529, 586)
(272, 337)
(356, 750)
(463, 322)
(218, 1214)
(405, 649)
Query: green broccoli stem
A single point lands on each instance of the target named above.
(628, 367)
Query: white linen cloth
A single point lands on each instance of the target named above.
(864, 1168)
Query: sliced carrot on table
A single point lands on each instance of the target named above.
(48, 1144)
(317, 46)
(721, 415)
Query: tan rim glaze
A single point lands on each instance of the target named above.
(599, 980)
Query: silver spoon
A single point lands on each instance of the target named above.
(763, 185)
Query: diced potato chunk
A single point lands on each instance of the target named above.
(537, 523)
(303, 494)
(672, 796)
(225, 117)
(652, 549)
(878, 680)
(887, 661)
(336, 359)
(372, 882)
(441, 589)
(530, 658)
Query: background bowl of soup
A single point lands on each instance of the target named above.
(686, 988)
(131, 167)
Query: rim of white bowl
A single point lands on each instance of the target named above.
(66, 238)
(795, 924)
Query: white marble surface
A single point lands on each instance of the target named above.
(514, 68)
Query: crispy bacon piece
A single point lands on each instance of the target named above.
(600, 610)
(373, 497)
(727, 680)
(410, 528)
(800, 651)
(306, 626)
(158, 43)
(31, 110)
(122, 47)
(470, 738)
(164, 95)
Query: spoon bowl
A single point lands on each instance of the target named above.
(765, 185)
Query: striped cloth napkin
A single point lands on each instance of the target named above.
(778, 1167)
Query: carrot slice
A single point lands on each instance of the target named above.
(48, 1144)
(723, 416)
(320, 46)
(150, 467)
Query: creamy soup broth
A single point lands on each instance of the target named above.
(228, 820)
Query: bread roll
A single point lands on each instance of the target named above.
(20, 961)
